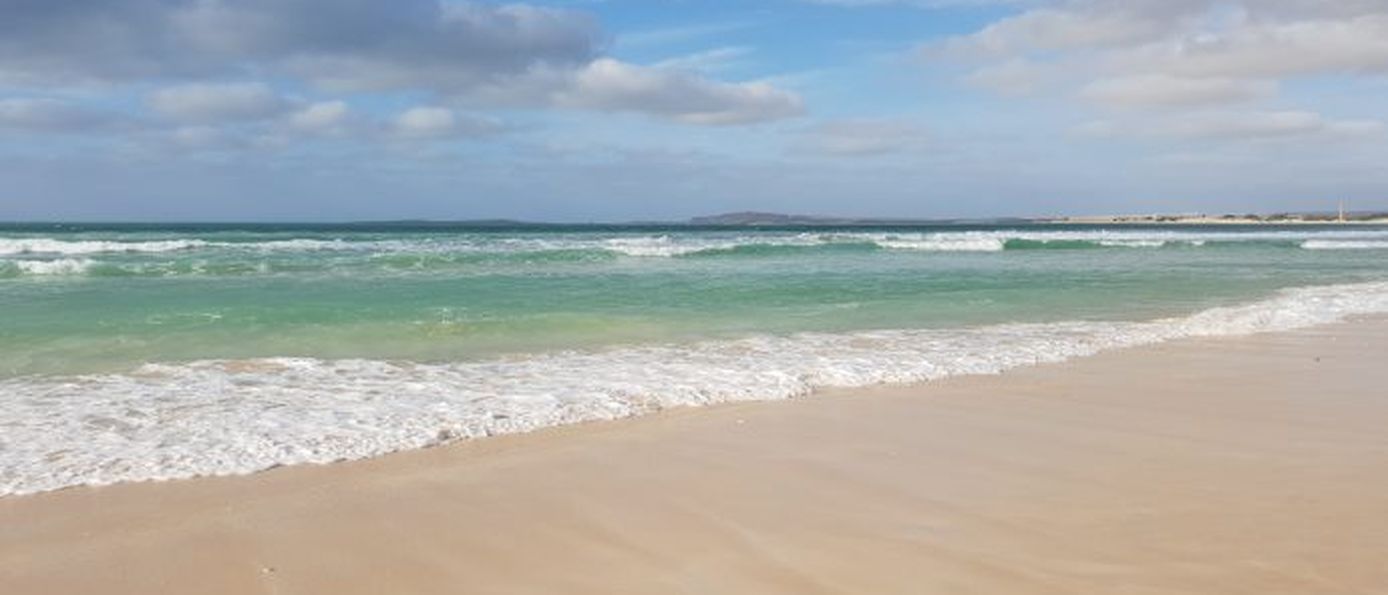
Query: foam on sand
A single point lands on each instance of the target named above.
(176, 420)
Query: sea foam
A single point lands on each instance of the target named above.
(680, 244)
(1344, 245)
(61, 266)
(52, 246)
(217, 417)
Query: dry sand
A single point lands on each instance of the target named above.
(1248, 465)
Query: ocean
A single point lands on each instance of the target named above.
(149, 352)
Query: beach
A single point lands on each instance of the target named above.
(725, 298)
(145, 352)
(1248, 464)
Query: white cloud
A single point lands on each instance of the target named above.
(1168, 90)
(1072, 26)
(1012, 77)
(426, 122)
(402, 43)
(1241, 39)
(1273, 49)
(610, 85)
(463, 53)
(1175, 67)
(217, 102)
(430, 122)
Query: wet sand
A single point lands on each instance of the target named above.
(1233, 465)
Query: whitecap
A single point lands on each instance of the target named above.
(61, 266)
(51, 246)
(1344, 245)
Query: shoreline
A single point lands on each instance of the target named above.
(1192, 465)
(629, 383)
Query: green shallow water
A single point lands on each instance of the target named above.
(79, 299)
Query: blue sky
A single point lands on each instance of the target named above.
(623, 109)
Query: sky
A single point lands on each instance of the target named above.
(613, 110)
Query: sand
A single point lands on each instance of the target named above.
(1237, 465)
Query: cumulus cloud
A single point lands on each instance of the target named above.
(1073, 26)
(487, 55)
(610, 85)
(426, 121)
(430, 122)
(1241, 39)
(1183, 57)
(1168, 90)
(217, 102)
(1274, 49)
(387, 44)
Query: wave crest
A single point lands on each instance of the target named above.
(10, 246)
(175, 420)
(1344, 245)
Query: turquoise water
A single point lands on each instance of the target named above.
(429, 333)
(448, 294)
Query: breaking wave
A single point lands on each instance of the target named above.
(217, 417)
